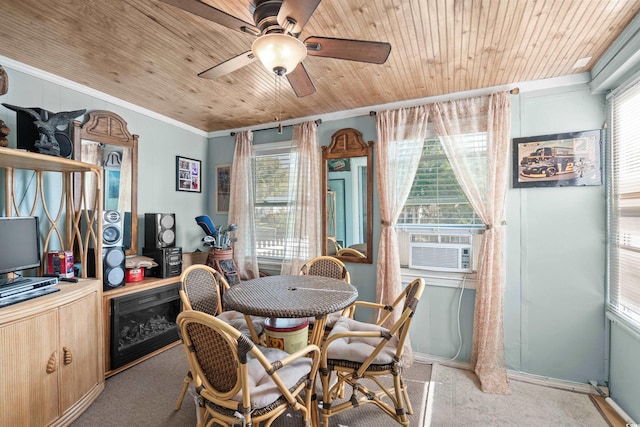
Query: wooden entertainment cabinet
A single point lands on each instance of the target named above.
(51, 347)
(51, 353)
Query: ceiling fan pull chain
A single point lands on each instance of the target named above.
(278, 88)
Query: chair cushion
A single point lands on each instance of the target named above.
(357, 349)
(263, 390)
(238, 321)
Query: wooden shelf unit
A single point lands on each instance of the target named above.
(51, 347)
(76, 231)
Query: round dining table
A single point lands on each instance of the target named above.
(291, 296)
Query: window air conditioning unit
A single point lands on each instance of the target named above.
(441, 252)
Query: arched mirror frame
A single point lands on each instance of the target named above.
(109, 128)
(348, 143)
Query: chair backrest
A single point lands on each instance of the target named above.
(326, 266)
(350, 252)
(407, 301)
(216, 352)
(201, 289)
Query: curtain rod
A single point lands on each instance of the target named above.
(513, 91)
(279, 127)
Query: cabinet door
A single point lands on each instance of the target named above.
(79, 358)
(29, 371)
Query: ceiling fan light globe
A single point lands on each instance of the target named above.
(279, 52)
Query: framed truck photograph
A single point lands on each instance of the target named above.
(558, 160)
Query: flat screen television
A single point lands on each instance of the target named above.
(19, 245)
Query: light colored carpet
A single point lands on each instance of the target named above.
(456, 400)
(145, 395)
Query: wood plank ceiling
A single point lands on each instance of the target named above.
(149, 53)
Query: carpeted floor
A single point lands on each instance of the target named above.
(456, 400)
(145, 395)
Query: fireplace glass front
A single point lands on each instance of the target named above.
(143, 322)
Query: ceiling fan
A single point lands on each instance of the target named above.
(278, 24)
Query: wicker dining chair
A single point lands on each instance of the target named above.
(201, 288)
(326, 266)
(240, 383)
(360, 354)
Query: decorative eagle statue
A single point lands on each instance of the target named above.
(47, 143)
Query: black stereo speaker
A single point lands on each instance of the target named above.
(113, 266)
(169, 262)
(112, 234)
(159, 230)
(113, 256)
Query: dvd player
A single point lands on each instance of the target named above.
(26, 284)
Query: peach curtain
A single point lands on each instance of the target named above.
(401, 135)
(304, 227)
(485, 188)
(241, 207)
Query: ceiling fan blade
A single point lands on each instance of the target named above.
(300, 81)
(216, 15)
(229, 65)
(352, 50)
(294, 14)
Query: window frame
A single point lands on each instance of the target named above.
(475, 227)
(615, 309)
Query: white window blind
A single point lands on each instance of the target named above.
(624, 209)
(436, 198)
(272, 170)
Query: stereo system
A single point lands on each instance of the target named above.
(159, 230)
(169, 262)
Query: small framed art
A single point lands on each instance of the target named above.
(188, 174)
(223, 188)
(558, 160)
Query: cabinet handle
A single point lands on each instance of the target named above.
(52, 363)
(68, 357)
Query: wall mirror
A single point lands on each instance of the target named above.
(347, 177)
(104, 140)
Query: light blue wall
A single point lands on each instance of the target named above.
(556, 253)
(159, 144)
(554, 301)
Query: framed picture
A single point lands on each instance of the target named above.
(559, 160)
(338, 165)
(223, 188)
(188, 174)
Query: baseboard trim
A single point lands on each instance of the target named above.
(514, 375)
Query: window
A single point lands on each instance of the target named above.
(624, 205)
(438, 228)
(436, 198)
(272, 169)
